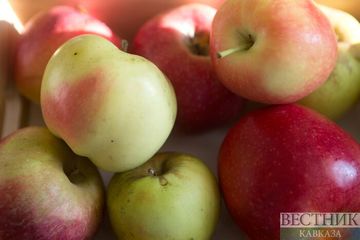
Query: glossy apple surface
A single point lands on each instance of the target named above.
(178, 43)
(125, 17)
(341, 90)
(287, 158)
(113, 107)
(47, 192)
(172, 196)
(272, 52)
(43, 35)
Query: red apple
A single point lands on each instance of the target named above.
(43, 35)
(125, 17)
(287, 159)
(178, 43)
(272, 51)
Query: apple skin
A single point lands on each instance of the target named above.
(172, 196)
(47, 192)
(287, 158)
(288, 49)
(125, 17)
(113, 107)
(341, 90)
(43, 35)
(178, 42)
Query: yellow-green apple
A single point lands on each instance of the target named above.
(272, 51)
(43, 35)
(125, 17)
(178, 43)
(172, 196)
(47, 192)
(342, 89)
(108, 105)
(287, 158)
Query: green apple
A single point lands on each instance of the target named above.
(172, 196)
(47, 192)
(113, 107)
(342, 89)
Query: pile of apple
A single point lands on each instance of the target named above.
(110, 104)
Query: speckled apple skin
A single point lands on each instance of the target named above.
(38, 202)
(113, 107)
(294, 49)
(203, 102)
(287, 159)
(43, 34)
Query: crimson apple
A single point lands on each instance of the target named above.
(43, 35)
(272, 51)
(287, 158)
(178, 43)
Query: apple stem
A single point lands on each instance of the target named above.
(124, 45)
(230, 51)
(152, 172)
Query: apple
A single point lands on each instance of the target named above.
(125, 17)
(172, 196)
(342, 89)
(108, 105)
(178, 43)
(43, 35)
(47, 192)
(272, 52)
(287, 158)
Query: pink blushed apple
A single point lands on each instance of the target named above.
(272, 51)
(287, 158)
(178, 43)
(113, 107)
(47, 192)
(43, 35)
